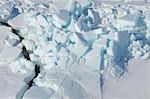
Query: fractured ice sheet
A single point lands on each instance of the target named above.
(11, 82)
(74, 49)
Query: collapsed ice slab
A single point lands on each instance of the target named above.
(120, 43)
(91, 35)
(14, 13)
(81, 25)
(20, 21)
(62, 18)
(118, 54)
(36, 92)
(94, 15)
(12, 40)
(89, 20)
(122, 38)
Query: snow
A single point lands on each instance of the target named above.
(20, 21)
(127, 20)
(9, 54)
(69, 81)
(133, 85)
(36, 92)
(10, 83)
(29, 44)
(42, 21)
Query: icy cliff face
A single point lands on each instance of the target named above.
(69, 49)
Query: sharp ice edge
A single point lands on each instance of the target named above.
(28, 80)
(47, 35)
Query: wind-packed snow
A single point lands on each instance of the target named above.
(74, 49)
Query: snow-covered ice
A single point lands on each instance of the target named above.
(74, 49)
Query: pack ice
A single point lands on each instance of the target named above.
(74, 49)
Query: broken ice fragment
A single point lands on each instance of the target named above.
(14, 13)
(29, 65)
(89, 21)
(122, 38)
(20, 21)
(81, 25)
(118, 55)
(62, 19)
(42, 21)
(140, 24)
(30, 46)
(76, 10)
(95, 18)
(12, 42)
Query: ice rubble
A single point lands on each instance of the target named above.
(69, 47)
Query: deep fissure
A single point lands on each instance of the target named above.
(26, 56)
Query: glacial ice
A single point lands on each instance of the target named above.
(62, 18)
(76, 49)
(37, 93)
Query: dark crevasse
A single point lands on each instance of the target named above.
(30, 82)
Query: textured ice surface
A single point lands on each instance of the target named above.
(11, 82)
(74, 49)
(134, 85)
(37, 93)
